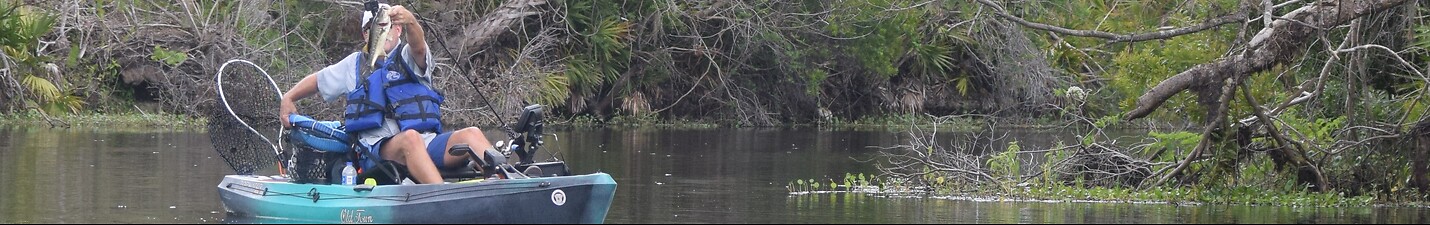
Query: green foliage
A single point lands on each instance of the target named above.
(1318, 132)
(1168, 143)
(1261, 172)
(851, 183)
(599, 51)
(1006, 164)
(1107, 121)
(1265, 86)
(932, 58)
(168, 57)
(877, 37)
(21, 27)
(1421, 43)
(962, 84)
(584, 77)
(1297, 197)
(1416, 106)
(1051, 160)
(552, 90)
(815, 79)
(41, 88)
(1138, 69)
(1131, 68)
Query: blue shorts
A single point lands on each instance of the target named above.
(436, 148)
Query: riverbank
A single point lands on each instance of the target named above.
(177, 121)
(108, 121)
(1247, 196)
(144, 120)
(1235, 195)
(879, 122)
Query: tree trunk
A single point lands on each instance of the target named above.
(1419, 163)
(479, 35)
(1306, 172)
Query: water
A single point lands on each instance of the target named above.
(664, 176)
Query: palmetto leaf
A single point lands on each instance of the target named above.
(553, 90)
(934, 58)
(42, 89)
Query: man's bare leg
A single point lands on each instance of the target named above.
(409, 149)
(472, 137)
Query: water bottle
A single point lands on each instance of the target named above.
(349, 175)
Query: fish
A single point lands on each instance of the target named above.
(377, 34)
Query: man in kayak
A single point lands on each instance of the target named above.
(391, 106)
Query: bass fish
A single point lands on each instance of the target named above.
(377, 31)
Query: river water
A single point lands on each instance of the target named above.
(664, 176)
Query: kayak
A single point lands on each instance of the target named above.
(524, 191)
(560, 199)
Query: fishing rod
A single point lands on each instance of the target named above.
(441, 40)
(528, 122)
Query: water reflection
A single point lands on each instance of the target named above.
(86, 176)
(664, 176)
(863, 208)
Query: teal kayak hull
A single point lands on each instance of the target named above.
(563, 199)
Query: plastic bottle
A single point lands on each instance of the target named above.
(349, 175)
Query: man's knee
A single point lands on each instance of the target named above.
(408, 138)
(470, 133)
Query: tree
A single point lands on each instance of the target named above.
(1280, 39)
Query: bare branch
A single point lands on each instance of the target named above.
(1238, 16)
(1281, 140)
(1392, 53)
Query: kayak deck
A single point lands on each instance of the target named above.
(563, 199)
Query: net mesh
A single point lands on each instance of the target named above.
(253, 99)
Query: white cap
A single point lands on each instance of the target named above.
(366, 17)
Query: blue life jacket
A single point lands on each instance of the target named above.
(394, 91)
(366, 106)
(414, 104)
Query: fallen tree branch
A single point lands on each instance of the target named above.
(1206, 141)
(1320, 80)
(1280, 44)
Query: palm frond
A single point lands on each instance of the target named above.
(553, 89)
(41, 88)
